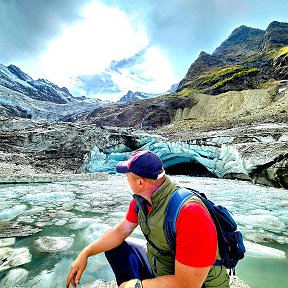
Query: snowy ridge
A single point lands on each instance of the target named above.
(15, 79)
(134, 96)
(21, 96)
(16, 104)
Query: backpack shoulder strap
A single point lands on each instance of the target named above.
(177, 200)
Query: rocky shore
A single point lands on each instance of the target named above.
(235, 283)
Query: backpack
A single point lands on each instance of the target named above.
(230, 241)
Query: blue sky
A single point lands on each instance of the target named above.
(103, 48)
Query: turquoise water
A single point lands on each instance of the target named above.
(261, 211)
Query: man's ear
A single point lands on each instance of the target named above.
(141, 182)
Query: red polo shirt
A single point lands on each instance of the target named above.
(196, 236)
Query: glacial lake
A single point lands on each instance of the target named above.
(83, 210)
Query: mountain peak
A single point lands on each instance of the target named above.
(276, 36)
(19, 73)
(243, 42)
(242, 61)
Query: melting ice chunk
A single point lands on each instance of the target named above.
(257, 250)
(14, 277)
(80, 223)
(50, 196)
(18, 257)
(53, 244)
(95, 230)
(12, 212)
(7, 242)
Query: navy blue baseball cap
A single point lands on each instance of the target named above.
(145, 164)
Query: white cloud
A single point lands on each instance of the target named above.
(105, 34)
(88, 47)
(154, 74)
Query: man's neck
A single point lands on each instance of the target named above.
(151, 190)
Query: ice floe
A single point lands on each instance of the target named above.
(7, 242)
(94, 231)
(53, 244)
(14, 257)
(14, 277)
(12, 212)
(257, 250)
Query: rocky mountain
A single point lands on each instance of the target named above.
(132, 96)
(197, 110)
(135, 96)
(15, 79)
(21, 96)
(249, 58)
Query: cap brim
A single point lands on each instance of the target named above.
(122, 167)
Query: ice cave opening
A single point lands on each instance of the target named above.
(189, 168)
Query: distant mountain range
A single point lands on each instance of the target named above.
(249, 58)
(15, 79)
(134, 96)
(21, 96)
(246, 60)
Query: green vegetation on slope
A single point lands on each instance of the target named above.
(282, 52)
(217, 78)
(213, 76)
(235, 76)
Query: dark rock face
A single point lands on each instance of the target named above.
(146, 114)
(203, 63)
(276, 36)
(281, 67)
(241, 44)
(10, 111)
(19, 73)
(278, 172)
(248, 58)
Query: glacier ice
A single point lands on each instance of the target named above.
(13, 212)
(53, 244)
(50, 196)
(7, 242)
(14, 278)
(80, 223)
(257, 250)
(14, 257)
(94, 231)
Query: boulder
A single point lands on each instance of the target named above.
(235, 283)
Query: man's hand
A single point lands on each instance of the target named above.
(76, 271)
(122, 285)
(109, 240)
(129, 284)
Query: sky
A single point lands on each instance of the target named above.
(103, 48)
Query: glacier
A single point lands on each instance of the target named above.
(246, 154)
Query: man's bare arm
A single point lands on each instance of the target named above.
(109, 240)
